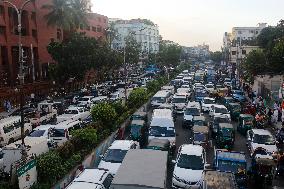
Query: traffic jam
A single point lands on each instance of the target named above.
(199, 131)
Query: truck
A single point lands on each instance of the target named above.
(12, 153)
(219, 180)
(142, 169)
(45, 113)
(232, 162)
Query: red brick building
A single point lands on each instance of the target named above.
(36, 37)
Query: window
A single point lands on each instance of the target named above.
(233, 52)
(1, 10)
(107, 181)
(2, 30)
(81, 26)
(59, 34)
(251, 31)
(94, 29)
(239, 32)
(104, 20)
(99, 19)
(256, 32)
(244, 52)
(33, 16)
(88, 28)
(34, 33)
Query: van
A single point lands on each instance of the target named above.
(61, 132)
(10, 129)
(168, 88)
(160, 98)
(192, 109)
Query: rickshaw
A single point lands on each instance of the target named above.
(160, 144)
(245, 123)
(249, 109)
(200, 136)
(235, 110)
(225, 136)
(139, 115)
(263, 171)
(138, 130)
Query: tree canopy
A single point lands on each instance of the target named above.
(169, 53)
(216, 56)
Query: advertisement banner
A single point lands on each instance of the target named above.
(27, 174)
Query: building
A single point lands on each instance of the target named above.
(199, 51)
(145, 32)
(240, 42)
(36, 35)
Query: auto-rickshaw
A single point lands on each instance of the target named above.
(199, 121)
(245, 123)
(160, 144)
(263, 171)
(227, 100)
(200, 136)
(235, 110)
(225, 136)
(138, 131)
(139, 115)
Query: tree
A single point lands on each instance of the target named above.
(105, 114)
(169, 53)
(132, 50)
(216, 56)
(137, 98)
(66, 14)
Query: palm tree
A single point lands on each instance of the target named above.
(66, 14)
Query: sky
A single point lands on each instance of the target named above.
(193, 22)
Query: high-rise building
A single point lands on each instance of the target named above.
(145, 32)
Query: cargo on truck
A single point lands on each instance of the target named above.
(142, 169)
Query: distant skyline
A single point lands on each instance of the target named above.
(193, 22)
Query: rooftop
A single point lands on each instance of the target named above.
(191, 149)
(121, 144)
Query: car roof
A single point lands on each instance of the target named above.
(43, 127)
(199, 118)
(219, 106)
(261, 132)
(121, 144)
(158, 142)
(209, 98)
(191, 149)
(200, 129)
(226, 125)
(91, 175)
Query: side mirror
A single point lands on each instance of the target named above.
(174, 161)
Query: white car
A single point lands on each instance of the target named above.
(207, 103)
(209, 87)
(189, 166)
(219, 110)
(86, 100)
(73, 113)
(179, 102)
(92, 178)
(115, 154)
(261, 138)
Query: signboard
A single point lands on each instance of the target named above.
(27, 174)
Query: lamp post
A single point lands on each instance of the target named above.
(21, 75)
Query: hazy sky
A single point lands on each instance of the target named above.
(192, 22)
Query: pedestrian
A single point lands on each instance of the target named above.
(32, 98)
(275, 116)
(5, 105)
(270, 113)
(9, 107)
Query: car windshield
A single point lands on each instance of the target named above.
(135, 129)
(179, 100)
(190, 162)
(227, 133)
(170, 133)
(157, 131)
(201, 94)
(37, 133)
(159, 99)
(192, 111)
(199, 122)
(221, 120)
(115, 155)
(113, 96)
(83, 99)
(209, 101)
(230, 166)
(209, 86)
(239, 93)
(263, 139)
(57, 133)
(221, 110)
(199, 137)
(71, 112)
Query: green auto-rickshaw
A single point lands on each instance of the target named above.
(227, 100)
(235, 110)
(225, 136)
(245, 123)
(138, 131)
(139, 115)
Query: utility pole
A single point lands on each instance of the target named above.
(21, 75)
(33, 64)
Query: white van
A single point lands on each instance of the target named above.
(73, 113)
(162, 113)
(192, 109)
(179, 102)
(10, 129)
(61, 132)
(86, 100)
(169, 88)
(160, 98)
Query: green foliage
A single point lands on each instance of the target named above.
(67, 150)
(66, 14)
(255, 62)
(84, 137)
(132, 50)
(137, 98)
(119, 107)
(105, 114)
(79, 54)
(216, 56)
(169, 53)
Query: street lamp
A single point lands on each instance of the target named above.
(21, 75)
